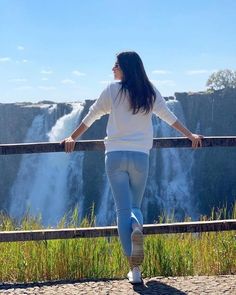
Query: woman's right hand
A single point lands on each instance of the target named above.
(69, 143)
(196, 140)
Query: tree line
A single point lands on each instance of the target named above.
(221, 79)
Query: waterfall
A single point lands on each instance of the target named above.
(54, 183)
(44, 181)
(20, 190)
(176, 183)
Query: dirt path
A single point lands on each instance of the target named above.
(215, 285)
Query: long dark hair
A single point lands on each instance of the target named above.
(135, 81)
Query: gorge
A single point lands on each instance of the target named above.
(184, 182)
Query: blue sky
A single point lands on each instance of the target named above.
(64, 50)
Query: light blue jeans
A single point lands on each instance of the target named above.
(127, 172)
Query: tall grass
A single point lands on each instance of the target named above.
(165, 255)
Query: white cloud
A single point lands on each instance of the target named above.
(199, 72)
(18, 80)
(46, 72)
(26, 87)
(47, 87)
(44, 79)
(168, 83)
(23, 61)
(67, 81)
(5, 59)
(78, 73)
(161, 72)
(20, 47)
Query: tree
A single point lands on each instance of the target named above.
(222, 79)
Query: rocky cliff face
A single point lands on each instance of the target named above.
(212, 172)
(211, 113)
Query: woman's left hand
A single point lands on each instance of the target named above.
(69, 143)
(196, 140)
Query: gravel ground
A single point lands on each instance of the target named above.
(215, 285)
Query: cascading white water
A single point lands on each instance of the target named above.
(176, 183)
(43, 182)
(27, 171)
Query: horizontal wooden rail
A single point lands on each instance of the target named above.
(93, 232)
(98, 145)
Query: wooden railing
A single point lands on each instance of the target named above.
(94, 232)
(98, 145)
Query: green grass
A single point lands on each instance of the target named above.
(165, 255)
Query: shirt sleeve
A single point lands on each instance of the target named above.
(102, 106)
(161, 109)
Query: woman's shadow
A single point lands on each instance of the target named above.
(155, 287)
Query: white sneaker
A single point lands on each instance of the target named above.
(134, 276)
(137, 251)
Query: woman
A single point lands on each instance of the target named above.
(130, 104)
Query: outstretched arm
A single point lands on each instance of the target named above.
(195, 138)
(101, 107)
(70, 141)
(161, 110)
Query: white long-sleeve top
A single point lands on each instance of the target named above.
(126, 131)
